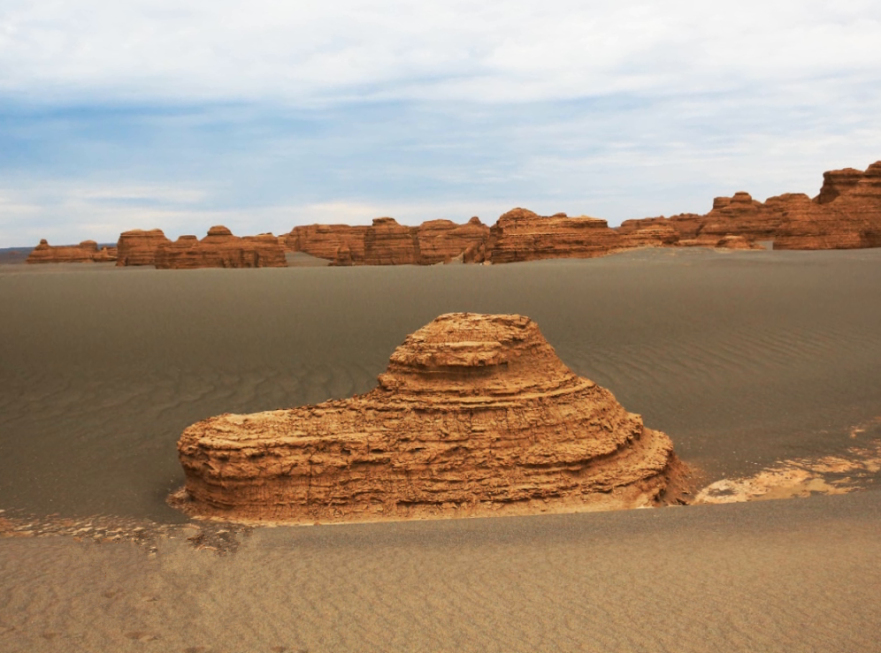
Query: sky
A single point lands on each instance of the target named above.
(263, 115)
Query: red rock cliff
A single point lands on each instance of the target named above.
(474, 415)
(138, 247)
(86, 252)
(386, 242)
(220, 249)
(521, 235)
(845, 215)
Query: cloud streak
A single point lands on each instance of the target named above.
(152, 113)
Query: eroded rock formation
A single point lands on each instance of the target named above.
(474, 415)
(386, 242)
(845, 215)
(138, 247)
(86, 252)
(521, 235)
(221, 249)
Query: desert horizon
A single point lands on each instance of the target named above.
(381, 326)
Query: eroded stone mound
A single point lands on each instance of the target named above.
(845, 215)
(86, 252)
(386, 242)
(139, 246)
(221, 249)
(475, 415)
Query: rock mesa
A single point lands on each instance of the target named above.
(475, 415)
(221, 249)
(386, 242)
(138, 247)
(86, 252)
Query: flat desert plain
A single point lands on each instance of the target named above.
(763, 367)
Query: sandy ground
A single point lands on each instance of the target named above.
(761, 366)
(785, 576)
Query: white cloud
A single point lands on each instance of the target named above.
(512, 50)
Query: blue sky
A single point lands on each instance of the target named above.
(264, 115)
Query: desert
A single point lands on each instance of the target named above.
(761, 371)
(376, 326)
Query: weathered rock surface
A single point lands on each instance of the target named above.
(386, 242)
(737, 242)
(138, 247)
(221, 249)
(845, 215)
(474, 415)
(442, 241)
(86, 252)
(521, 235)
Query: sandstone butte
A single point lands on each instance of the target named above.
(845, 214)
(475, 415)
(86, 252)
(221, 249)
(386, 242)
(138, 247)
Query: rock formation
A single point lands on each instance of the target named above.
(220, 249)
(386, 242)
(138, 247)
(845, 215)
(521, 235)
(474, 415)
(86, 252)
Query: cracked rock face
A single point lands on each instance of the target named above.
(475, 415)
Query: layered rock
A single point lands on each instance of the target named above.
(647, 233)
(138, 247)
(328, 241)
(521, 235)
(442, 241)
(474, 415)
(845, 215)
(86, 252)
(386, 242)
(221, 249)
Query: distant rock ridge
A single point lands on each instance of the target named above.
(846, 214)
(220, 249)
(138, 247)
(475, 415)
(86, 252)
(386, 242)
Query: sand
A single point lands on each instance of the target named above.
(745, 359)
(787, 576)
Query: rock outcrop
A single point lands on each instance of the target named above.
(221, 249)
(845, 215)
(86, 252)
(475, 415)
(521, 235)
(386, 242)
(138, 247)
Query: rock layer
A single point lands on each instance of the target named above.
(86, 252)
(521, 235)
(474, 415)
(138, 247)
(220, 249)
(386, 242)
(845, 215)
